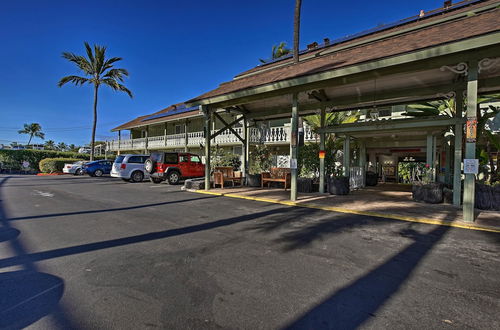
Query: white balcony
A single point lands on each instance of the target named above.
(272, 135)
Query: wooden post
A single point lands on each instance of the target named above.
(294, 146)
(165, 135)
(322, 149)
(186, 135)
(244, 151)
(119, 141)
(347, 156)
(457, 165)
(447, 163)
(146, 134)
(470, 145)
(362, 160)
(208, 126)
(429, 159)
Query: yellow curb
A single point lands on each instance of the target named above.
(341, 210)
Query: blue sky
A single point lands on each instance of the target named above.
(174, 51)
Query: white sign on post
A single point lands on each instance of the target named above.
(293, 163)
(471, 166)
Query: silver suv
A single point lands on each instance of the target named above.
(130, 168)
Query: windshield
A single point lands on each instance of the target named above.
(119, 159)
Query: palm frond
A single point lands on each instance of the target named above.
(116, 86)
(89, 53)
(117, 74)
(80, 61)
(100, 58)
(73, 79)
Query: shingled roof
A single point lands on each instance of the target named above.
(141, 121)
(389, 42)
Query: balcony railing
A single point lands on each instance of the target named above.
(272, 135)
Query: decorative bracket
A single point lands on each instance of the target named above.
(461, 68)
(449, 95)
(487, 64)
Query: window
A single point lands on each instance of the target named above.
(238, 150)
(183, 158)
(135, 160)
(170, 158)
(179, 129)
(384, 113)
(195, 159)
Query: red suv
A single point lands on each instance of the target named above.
(173, 166)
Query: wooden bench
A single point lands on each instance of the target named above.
(226, 174)
(277, 174)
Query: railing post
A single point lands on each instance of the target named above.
(186, 135)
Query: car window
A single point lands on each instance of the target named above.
(144, 158)
(156, 156)
(183, 158)
(135, 160)
(195, 159)
(119, 159)
(171, 158)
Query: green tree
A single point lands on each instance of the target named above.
(49, 145)
(278, 51)
(61, 146)
(98, 70)
(73, 148)
(32, 129)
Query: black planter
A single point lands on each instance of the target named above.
(487, 197)
(338, 185)
(304, 185)
(427, 193)
(371, 178)
(253, 180)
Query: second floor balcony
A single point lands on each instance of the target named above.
(269, 135)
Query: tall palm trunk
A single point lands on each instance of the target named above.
(92, 142)
(31, 136)
(296, 31)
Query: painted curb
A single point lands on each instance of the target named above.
(367, 213)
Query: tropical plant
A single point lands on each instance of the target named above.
(99, 71)
(260, 159)
(221, 157)
(61, 146)
(33, 129)
(278, 51)
(73, 148)
(49, 145)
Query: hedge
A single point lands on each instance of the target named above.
(55, 165)
(13, 159)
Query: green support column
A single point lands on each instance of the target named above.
(294, 146)
(470, 146)
(244, 151)
(457, 162)
(186, 135)
(429, 159)
(208, 131)
(322, 148)
(362, 159)
(347, 156)
(435, 161)
(447, 162)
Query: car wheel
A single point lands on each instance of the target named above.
(79, 172)
(156, 180)
(137, 176)
(173, 177)
(98, 173)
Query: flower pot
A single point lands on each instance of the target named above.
(427, 192)
(304, 185)
(487, 197)
(371, 178)
(253, 180)
(338, 185)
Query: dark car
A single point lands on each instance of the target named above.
(173, 166)
(98, 167)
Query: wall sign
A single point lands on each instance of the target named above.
(471, 166)
(293, 163)
(471, 130)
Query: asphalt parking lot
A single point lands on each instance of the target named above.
(99, 253)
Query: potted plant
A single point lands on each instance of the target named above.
(260, 161)
(425, 189)
(338, 184)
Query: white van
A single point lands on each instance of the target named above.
(130, 168)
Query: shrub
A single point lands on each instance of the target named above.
(13, 159)
(308, 161)
(260, 159)
(221, 157)
(54, 165)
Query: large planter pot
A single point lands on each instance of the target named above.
(338, 185)
(427, 192)
(487, 197)
(253, 180)
(371, 178)
(304, 185)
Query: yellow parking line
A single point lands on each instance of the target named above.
(349, 211)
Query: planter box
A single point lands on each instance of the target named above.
(338, 185)
(304, 185)
(254, 180)
(427, 193)
(487, 197)
(371, 178)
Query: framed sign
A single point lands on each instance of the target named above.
(293, 163)
(471, 166)
(471, 130)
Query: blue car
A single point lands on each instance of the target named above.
(98, 167)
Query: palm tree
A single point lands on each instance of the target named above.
(296, 31)
(49, 145)
(62, 146)
(73, 148)
(98, 71)
(32, 129)
(278, 51)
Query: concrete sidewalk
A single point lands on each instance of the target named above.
(385, 200)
